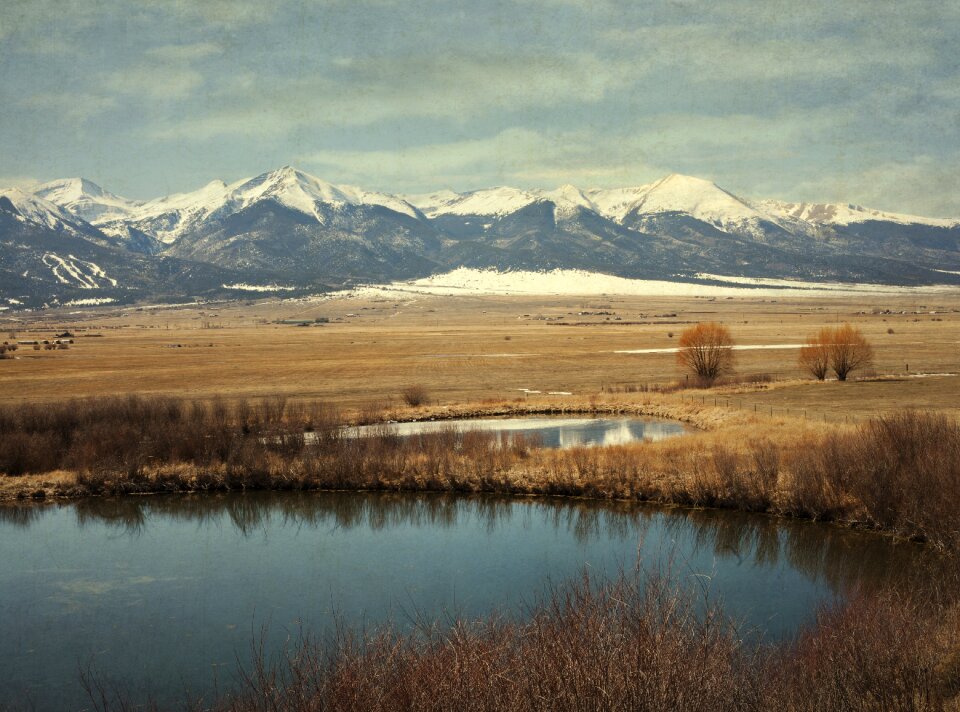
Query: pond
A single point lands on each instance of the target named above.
(549, 432)
(167, 593)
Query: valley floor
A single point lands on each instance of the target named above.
(475, 348)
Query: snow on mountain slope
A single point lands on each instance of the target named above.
(169, 217)
(86, 199)
(697, 197)
(495, 202)
(638, 207)
(500, 201)
(677, 193)
(846, 214)
(42, 212)
(568, 198)
(429, 202)
(301, 191)
(75, 272)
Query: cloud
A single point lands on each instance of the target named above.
(707, 53)
(184, 53)
(503, 153)
(924, 185)
(637, 151)
(24, 182)
(516, 155)
(166, 73)
(742, 152)
(816, 100)
(369, 90)
(154, 82)
(24, 17)
(74, 106)
(223, 13)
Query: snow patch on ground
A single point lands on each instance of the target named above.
(846, 287)
(76, 272)
(90, 302)
(150, 307)
(243, 287)
(739, 347)
(467, 281)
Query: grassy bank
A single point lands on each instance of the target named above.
(898, 474)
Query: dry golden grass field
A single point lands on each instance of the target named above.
(472, 348)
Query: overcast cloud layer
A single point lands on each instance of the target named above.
(821, 101)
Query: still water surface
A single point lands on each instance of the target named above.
(550, 432)
(166, 594)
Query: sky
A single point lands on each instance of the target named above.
(818, 101)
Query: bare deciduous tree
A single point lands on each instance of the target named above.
(815, 354)
(706, 350)
(843, 349)
(849, 351)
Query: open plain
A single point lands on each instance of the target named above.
(470, 349)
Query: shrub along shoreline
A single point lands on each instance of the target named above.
(897, 474)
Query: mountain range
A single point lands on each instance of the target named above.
(287, 231)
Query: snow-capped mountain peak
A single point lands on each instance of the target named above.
(287, 227)
(301, 191)
(70, 189)
(86, 199)
(494, 202)
(34, 209)
(429, 202)
(499, 201)
(846, 214)
(677, 193)
(289, 187)
(568, 198)
(641, 207)
(700, 198)
(170, 217)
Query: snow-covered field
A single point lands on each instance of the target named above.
(244, 287)
(739, 347)
(90, 302)
(466, 281)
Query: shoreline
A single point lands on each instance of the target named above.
(736, 460)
